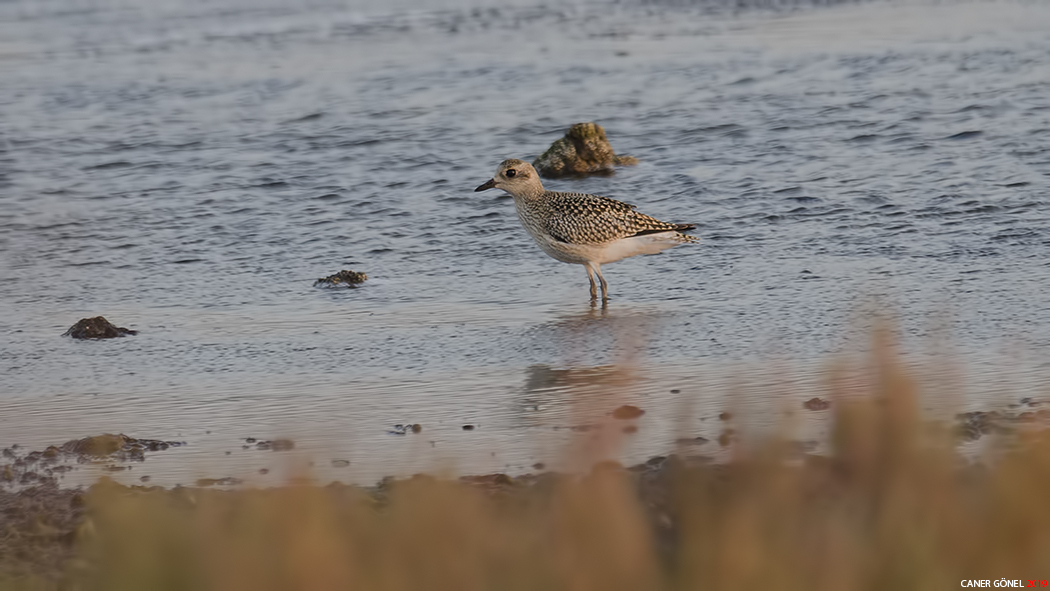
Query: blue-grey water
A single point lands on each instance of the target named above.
(188, 168)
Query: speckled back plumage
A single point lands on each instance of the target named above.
(579, 218)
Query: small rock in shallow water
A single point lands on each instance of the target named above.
(816, 404)
(584, 150)
(340, 463)
(344, 277)
(627, 411)
(96, 328)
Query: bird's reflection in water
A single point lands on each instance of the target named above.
(580, 393)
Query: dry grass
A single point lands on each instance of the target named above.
(894, 507)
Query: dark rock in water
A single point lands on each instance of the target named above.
(816, 404)
(583, 151)
(344, 277)
(96, 328)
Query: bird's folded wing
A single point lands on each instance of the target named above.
(579, 218)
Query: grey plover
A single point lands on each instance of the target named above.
(583, 229)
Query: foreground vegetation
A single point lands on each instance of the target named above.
(893, 507)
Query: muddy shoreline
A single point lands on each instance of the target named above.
(41, 523)
(41, 520)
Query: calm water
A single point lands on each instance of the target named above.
(188, 169)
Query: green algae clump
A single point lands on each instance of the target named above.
(344, 277)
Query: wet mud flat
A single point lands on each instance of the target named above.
(50, 533)
(38, 528)
(41, 524)
(54, 538)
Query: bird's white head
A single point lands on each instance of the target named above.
(516, 177)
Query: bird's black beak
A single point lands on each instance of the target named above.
(490, 184)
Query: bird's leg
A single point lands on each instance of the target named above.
(594, 288)
(605, 286)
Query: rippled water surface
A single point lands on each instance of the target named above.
(187, 169)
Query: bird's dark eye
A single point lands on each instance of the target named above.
(510, 173)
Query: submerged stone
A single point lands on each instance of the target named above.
(283, 445)
(583, 151)
(344, 277)
(627, 411)
(96, 328)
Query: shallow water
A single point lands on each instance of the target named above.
(187, 169)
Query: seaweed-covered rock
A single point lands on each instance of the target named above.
(344, 277)
(119, 447)
(96, 328)
(584, 150)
